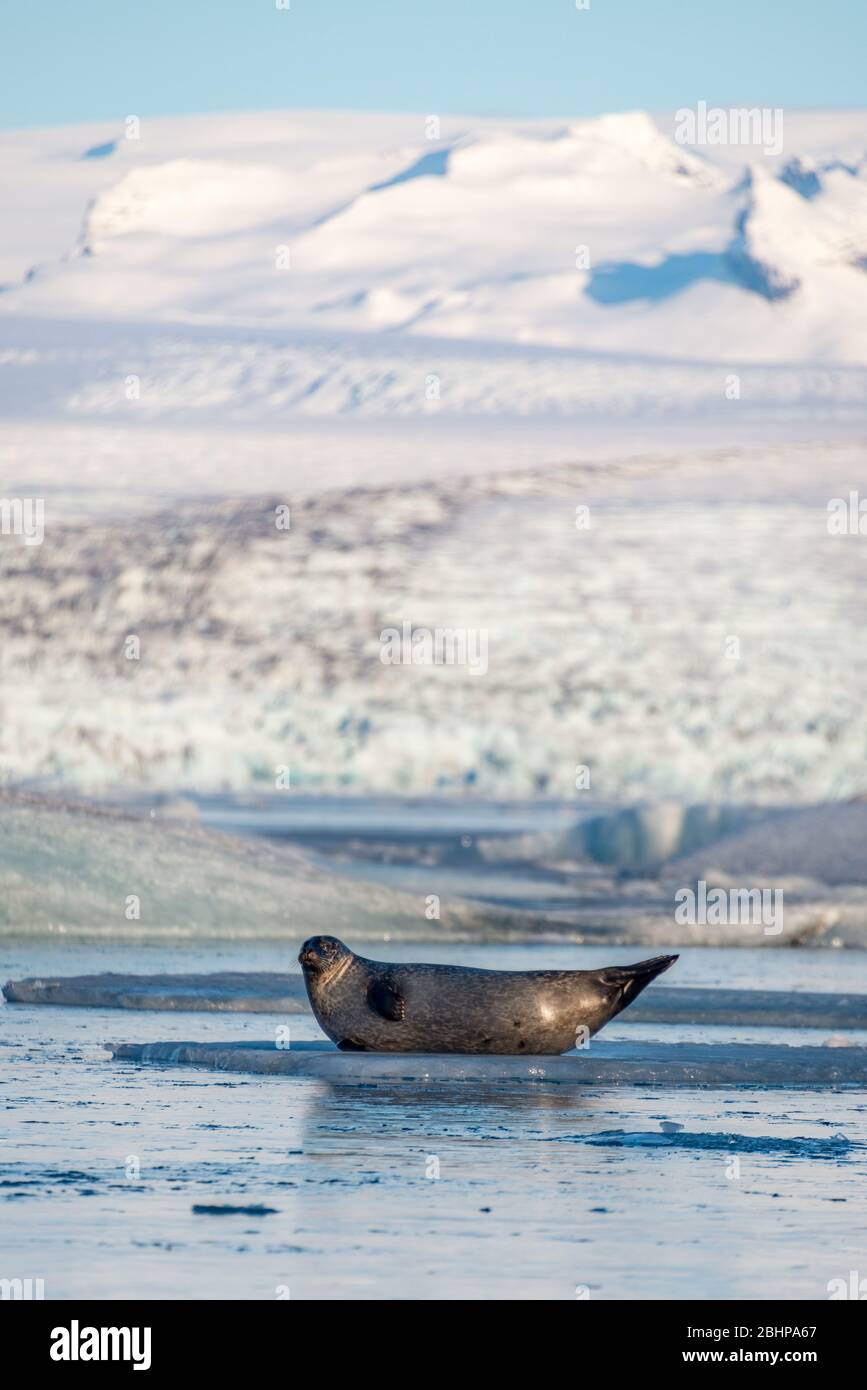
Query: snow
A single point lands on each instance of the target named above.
(330, 224)
(461, 338)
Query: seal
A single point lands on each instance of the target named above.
(371, 1006)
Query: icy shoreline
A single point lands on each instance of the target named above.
(78, 870)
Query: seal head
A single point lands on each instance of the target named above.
(321, 955)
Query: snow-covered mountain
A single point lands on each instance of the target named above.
(605, 236)
(226, 315)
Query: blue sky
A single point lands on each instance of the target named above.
(104, 59)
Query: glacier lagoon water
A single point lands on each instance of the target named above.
(123, 1181)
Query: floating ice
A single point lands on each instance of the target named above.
(603, 1064)
(257, 992)
(74, 869)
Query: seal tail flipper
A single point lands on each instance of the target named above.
(629, 980)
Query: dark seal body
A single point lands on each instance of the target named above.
(369, 1005)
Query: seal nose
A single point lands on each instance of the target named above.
(306, 956)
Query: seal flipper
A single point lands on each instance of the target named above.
(384, 999)
(625, 982)
(347, 1045)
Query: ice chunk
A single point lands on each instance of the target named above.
(71, 868)
(602, 1064)
(259, 992)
